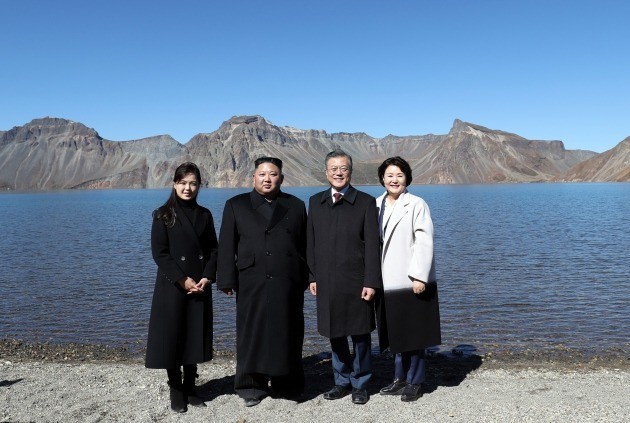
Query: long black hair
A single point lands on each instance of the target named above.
(166, 212)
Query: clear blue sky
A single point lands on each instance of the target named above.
(552, 70)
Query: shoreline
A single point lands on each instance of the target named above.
(560, 358)
(87, 383)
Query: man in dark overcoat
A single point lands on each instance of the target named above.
(343, 249)
(262, 257)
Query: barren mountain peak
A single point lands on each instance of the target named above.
(238, 120)
(51, 121)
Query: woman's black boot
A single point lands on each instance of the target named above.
(190, 374)
(178, 399)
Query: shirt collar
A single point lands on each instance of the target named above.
(342, 192)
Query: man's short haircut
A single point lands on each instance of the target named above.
(272, 160)
(337, 153)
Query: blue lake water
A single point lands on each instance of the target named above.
(519, 266)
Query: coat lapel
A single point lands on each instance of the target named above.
(278, 213)
(350, 196)
(327, 197)
(401, 208)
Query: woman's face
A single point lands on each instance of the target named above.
(394, 180)
(187, 187)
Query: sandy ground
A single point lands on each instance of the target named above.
(56, 388)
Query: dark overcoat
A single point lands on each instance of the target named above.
(343, 252)
(264, 261)
(180, 328)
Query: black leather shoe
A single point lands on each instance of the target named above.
(394, 388)
(337, 392)
(411, 393)
(195, 401)
(250, 402)
(359, 396)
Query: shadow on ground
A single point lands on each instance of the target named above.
(9, 382)
(442, 369)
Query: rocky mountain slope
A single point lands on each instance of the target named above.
(52, 153)
(612, 165)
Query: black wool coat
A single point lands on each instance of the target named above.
(180, 327)
(343, 252)
(264, 261)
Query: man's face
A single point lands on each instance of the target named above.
(267, 180)
(338, 172)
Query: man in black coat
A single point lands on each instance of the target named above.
(262, 257)
(343, 249)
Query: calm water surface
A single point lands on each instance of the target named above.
(519, 266)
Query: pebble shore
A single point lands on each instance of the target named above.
(84, 383)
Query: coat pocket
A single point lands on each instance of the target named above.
(244, 262)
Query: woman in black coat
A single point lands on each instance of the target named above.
(184, 247)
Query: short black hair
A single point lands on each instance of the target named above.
(272, 160)
(338, 153)
(400, 163)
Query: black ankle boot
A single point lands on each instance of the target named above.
(178, 399)
(190, 373)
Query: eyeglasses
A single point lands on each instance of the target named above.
(342, 169)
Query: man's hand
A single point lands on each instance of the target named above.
(368, 293)
(228, 291)
(313, 288)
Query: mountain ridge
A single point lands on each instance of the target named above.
(54, 153)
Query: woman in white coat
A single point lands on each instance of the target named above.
(411, 319)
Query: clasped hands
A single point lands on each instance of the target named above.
(191, 287)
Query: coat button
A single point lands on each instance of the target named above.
(269, 277)
(200, 256)
(183, 258)
(268, 253)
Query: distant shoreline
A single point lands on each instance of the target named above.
(29, 191)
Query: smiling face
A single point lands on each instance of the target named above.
(187, 187)
(338, 172)
(394, 180)
(267, 180)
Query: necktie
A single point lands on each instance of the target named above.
(337, 197)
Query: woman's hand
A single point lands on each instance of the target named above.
(191, 287)
(200, 286)
(418, 286)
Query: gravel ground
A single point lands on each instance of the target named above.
(44, 383)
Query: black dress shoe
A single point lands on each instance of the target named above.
(250, 402)
(359, 396)
(337, 392)
(394, 388)
(411, 393)
(195, 401)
